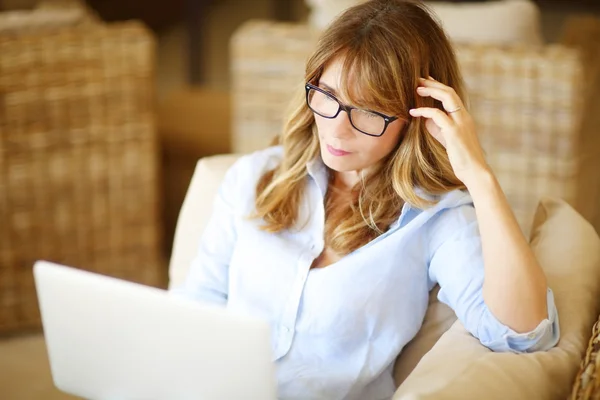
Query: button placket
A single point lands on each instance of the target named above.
(305, 259)
(290, 314)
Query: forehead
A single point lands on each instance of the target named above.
(336, 78)
(332, 73)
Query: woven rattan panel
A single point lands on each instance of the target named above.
(78, 159)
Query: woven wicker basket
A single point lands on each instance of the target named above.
(78, 154)
(587, 382)
(536, 116)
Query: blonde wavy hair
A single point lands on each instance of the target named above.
(387, 45)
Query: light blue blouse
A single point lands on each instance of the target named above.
(336, 331)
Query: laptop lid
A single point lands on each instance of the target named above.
(112, 339)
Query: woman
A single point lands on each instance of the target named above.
(378, 192)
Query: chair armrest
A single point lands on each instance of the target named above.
(195, 212)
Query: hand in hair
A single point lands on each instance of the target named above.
(454, 128)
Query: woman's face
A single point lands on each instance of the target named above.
(343, 148)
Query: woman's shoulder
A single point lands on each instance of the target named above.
(453, 213)
(453, 206)
(446, 202)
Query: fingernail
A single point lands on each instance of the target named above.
(412, 111)
(421, 88)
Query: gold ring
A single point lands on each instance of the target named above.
(455, 110)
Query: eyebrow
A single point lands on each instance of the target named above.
(328, 88)
(334, 92)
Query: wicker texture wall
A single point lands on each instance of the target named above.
(78, 156)
(533, 107)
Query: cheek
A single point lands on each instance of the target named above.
(382, 146)
(393, 140)
(395, 134)
(319, 125)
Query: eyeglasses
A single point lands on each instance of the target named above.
(326, 105)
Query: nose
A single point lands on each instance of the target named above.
(341, 128)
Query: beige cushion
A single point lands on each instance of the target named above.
(458, 367)
(494, 22)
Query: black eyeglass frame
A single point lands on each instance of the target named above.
(388, 120)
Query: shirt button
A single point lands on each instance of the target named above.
(286, 329)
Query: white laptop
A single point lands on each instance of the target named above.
(110, 339)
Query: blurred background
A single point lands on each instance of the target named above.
(106, 106)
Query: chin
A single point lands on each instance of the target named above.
(339, 164)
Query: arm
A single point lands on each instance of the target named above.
(515, 285)
(456, 261)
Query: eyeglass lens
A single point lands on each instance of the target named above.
(362, 120)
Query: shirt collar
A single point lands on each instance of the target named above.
(319, 172)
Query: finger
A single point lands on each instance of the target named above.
(440, 118)
(430, 82)
(451, 102)
(448, 99)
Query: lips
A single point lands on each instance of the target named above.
(337, 152)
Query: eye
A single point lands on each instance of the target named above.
(368, 114)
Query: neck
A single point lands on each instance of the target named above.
(345, 180)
